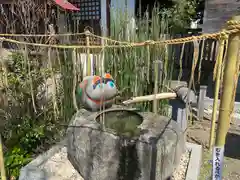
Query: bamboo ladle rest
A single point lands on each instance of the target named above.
(183, 93)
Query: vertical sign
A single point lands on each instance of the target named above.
(218, 154)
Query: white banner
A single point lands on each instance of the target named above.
(218, 154)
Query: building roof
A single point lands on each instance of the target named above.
(66, 5)
(5, 1)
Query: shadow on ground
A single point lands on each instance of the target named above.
(232, 146)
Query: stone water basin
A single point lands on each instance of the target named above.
(126, 144)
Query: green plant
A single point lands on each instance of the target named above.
(32, 138)
(180, 15)
(132, 67)
(26, 134)
(30, 127)
(29, 130)
(24, 77)
(15, 159)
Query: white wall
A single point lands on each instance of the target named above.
(120, 4)
(103, 16)
(117, 5)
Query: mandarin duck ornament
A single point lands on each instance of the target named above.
(95, 92)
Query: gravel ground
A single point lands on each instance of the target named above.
(181, 170)
(198, 133)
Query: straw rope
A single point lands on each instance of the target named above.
(233, 27)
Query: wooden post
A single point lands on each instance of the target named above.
(108, 14)
(89, 64)
(201, 97)
(225, 109)
(3, 173)
(228, 87)
(217, 87)
(156, 76)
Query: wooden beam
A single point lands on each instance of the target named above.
(6, 1)
(108, 16)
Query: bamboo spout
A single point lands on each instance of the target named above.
(150, 98)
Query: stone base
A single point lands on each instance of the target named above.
(52, 165)
(88, 153)
(195, 161)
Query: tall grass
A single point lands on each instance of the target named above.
(133, 67)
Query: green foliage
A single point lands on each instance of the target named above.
(32, 138)
(15, 159)
(180, 14)
(132, 67)
(26, 131)
(22, 141)
(24, 73)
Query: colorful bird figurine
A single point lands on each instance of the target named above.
(96, 92)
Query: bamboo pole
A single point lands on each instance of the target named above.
(156, 72)
(228, 87)
(89, 64)
(150, 98)
(3, 173)
(217, 87)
